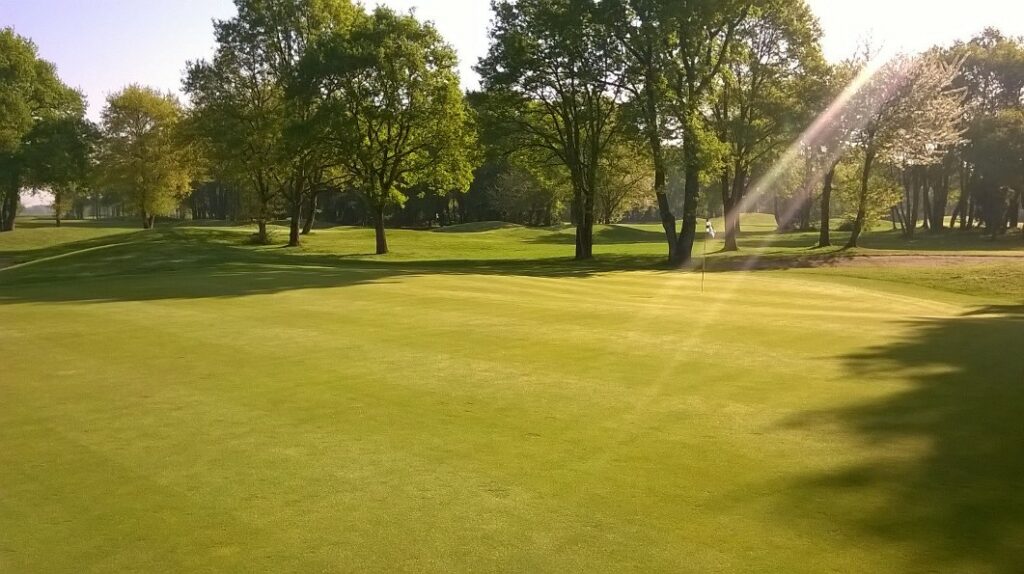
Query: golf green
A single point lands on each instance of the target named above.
(178, 402)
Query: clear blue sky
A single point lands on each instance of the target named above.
(101, 45)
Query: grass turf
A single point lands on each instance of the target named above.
(177, 401)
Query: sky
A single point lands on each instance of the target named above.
(101, 45)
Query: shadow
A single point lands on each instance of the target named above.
(948, 464)
(947, 240)
(42, 222)
(204, 262)
(13, 258)
(775, 262)
(605, 235)
(476, 227)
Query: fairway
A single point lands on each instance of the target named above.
(176, 401)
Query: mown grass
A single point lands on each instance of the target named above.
(179, 401)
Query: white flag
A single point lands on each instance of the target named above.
(710, 229)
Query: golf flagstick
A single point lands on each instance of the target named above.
(708, 230)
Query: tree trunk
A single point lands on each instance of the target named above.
(964, 203)
(940, 200)
(58, 208)
(585, 239)
(294, 224)
(668, 220)
(915, 200)
(147, 221)
(585, 228)
(731, 201)
(382, 240)
(862, 201)
(307, 225)
(691, 193)
(926, 204)
(730, 237)
(1015, 206)
(824, 239)
(971, 206)
(261, 232)
(911, 194)
(8, 211)
(806, 205)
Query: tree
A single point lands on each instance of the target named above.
(257, 129)
(993, 78)
(776, 67)
(623, 181)
(30, 92)
(238, 114)
(553, 73)
(828, 139)
(907, 113)
(389, 107)
(143, 155)
(522, 194)
(642, 29)
(704, 34)
(59, 155)
(997, 154)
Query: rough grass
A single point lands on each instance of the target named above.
(178, 401)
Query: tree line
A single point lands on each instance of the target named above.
(589, 111)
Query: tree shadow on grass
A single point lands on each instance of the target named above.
(604, 235)
(951, 479)
(199, 263)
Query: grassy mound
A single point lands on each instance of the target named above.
(477, 227)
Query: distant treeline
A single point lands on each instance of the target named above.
(590, 111)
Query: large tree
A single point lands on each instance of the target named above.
(996, 153)
(623, 181)
(992, 75)
(908, 113)
(59, 156)
(765, 96)
(390, 110)
(256, 126)
(143, 154)
(238, 115)
(30, 93)
(642, 29)
(704, 34)
(553, 74)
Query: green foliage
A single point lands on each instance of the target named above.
(255, 132)
(143, 156)
(553, 73)
(884, 189)
(388, 105)
(624, 182)
(60, 155)
(997, 148)
(768, 91)
(30, 92)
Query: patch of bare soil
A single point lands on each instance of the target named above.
(927, 260)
